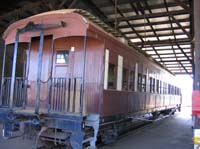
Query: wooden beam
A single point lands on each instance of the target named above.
(174, 60)
(158, 35)
(166, 54)
(121, 13)
(121, 2)
(178, 23)
(95, 10)
(138, 35)
(151, 15)
(182, 42)
(181, 73)
(73, 4)
(184, 6)
(70, 6)
(62, 4)
(184, 54)
(148, 21)
(154, 23)
(157, 54)
(157, 30)
(20, 10)
(165, 42)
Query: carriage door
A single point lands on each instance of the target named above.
(33, 71)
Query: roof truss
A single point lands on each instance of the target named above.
(162, 29)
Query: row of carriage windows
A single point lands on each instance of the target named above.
(134, 81)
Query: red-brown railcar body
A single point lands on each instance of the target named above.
(133, 96)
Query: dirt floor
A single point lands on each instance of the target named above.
(172, 133)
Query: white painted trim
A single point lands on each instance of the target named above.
(119, 72)
(136, 77)
(106, 67)
(147, 81)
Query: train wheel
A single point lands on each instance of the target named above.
(109, 136)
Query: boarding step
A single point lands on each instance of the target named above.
(55, 135)
(92, 120)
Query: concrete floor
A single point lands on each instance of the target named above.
(172, 133)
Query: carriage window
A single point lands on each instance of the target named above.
(179, 91)
(163, 88)
(166, 88)
(125, 79)
(157, 86)
(152, 85)
(131, 79)
(172, 89)
(169, 89)
(111, 76)
(175, 90)
(149, 85)
(143, 83)
(160, 87)
(62, 57)
(139, 82)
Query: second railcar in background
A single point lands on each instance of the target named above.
(69, 75)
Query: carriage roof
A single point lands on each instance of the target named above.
(76, 24)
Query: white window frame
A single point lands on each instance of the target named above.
(106, 68)
(119, 72)
(136, 77)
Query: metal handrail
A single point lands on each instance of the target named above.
(20, 87)
(64, 94)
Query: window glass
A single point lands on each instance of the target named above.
(166, 88)
(132, 79)
(149, 84)
(169, 89)
(152, 85)
(125, 79)
(62, 57)
(139, 82)
(111, 76)
(143, 83)
(157, 86)
(161, 87)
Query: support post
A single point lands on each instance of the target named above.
(40, 55)
(2, 75)
(14, 70)
(50, 75)
(197, 44)
(26, 74)
(196, 90)
(83, 75)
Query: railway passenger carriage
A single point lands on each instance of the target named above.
(69, 75)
